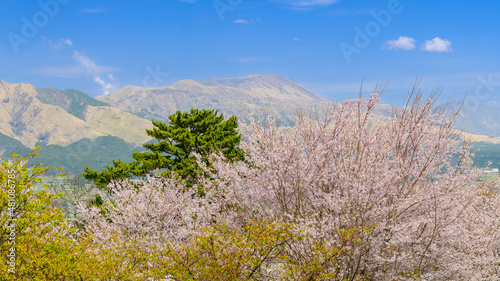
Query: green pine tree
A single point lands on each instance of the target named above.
(197, 131)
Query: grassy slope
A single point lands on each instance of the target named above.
(73, 101)
(8, 145)
(80, 101)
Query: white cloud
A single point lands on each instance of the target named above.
(85, 67)
(107, 87)
(71, 71)
(68, 42)
(58, 44)
(297, 39)
(402, 43)
(249, 21)
(241, 21)
(89, 67)
(437, 45)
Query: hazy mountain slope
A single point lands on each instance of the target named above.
(27, 119)
(252, 94)
(231, 96)
(95, 154)
(76, 130)
(271, 86)
(483, 119)
(30, 115)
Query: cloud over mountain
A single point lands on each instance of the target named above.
(437, 45)
(402, 43)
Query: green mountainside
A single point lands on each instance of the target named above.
(95, 154)
(73, 101)
(9, 145)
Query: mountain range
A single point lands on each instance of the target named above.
(76, 129)
(34, 115)
(243, 96)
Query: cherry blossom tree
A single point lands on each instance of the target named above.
(397, 196)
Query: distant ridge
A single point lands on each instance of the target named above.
(289, 89)
(231, 96)
(76, 130)
(34, 115)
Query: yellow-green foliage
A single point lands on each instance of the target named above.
(248, 253)
(262, 250)
(47, 247)
(41, 242)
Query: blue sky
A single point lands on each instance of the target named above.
(326, 45)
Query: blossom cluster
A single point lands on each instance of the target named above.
(398, 197)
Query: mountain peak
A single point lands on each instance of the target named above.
(249, 81)
(256, 75)
(238, 96)
(52, 116)
(186, 83)
(269, 85)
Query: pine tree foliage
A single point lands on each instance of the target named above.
(199, 132)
